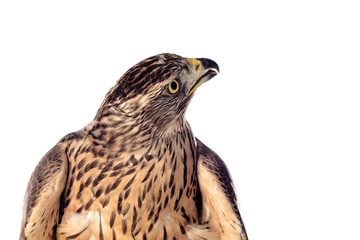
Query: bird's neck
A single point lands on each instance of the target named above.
(120, 131)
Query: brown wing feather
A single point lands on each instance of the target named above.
(219, 204)
(42, 198)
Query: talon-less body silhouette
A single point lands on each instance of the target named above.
(136, 171)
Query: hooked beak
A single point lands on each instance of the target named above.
(205, 70)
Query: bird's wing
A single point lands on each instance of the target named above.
(42, 198)
(218, 200)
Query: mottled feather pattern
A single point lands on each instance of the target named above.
(135, 171)
(45, 186)
(220, 177)
(216, 165)
(130, 193)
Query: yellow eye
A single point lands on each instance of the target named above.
(174, 86)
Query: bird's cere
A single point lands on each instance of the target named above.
(205, 69)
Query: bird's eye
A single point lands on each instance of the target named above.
(174, 86)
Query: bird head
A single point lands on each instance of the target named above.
(158, 89)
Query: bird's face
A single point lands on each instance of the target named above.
(158, 89)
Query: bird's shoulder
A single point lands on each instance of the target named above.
(42, 205)
(42, 198)
(211, 161)
(219, 204)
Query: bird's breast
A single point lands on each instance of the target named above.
(139, 194)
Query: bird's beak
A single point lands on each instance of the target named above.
(205, 70)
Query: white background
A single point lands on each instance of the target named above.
(283, 113)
